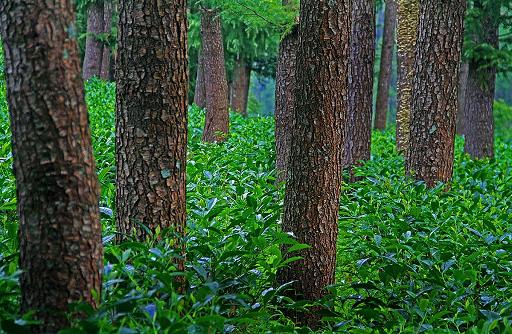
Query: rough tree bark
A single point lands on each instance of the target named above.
(240, 86)
(481, 86)
(386, 63)
(313, 189)
(216, 126)
(199, 92)
(105, 53)
(151, 122)
(285, 100)
(358, 125)
(406, 34)
(434, 101)
(56, 183)
(93, 47)
(461, 101)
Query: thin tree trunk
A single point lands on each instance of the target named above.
(434, 101)
(216, 126)
(358, 125)
(200, 92)
(107, 27)
(407, 29)
(151, 134)
(314, 170)
(240, 86)
(93, 47)
(285, 101)
(386, 63)
(463, 84)
(56, 182)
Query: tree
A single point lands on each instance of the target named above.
(97, 53)
(151, 122)
(56, 182)
(461, 102)
(200, 93)
(216, 126)
(239, 91)
(478, 117)
(434, 107)
(285, 99)
(407, 28)
(314, 171)
(358, 125)
(386, 62)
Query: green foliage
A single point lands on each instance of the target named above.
(410, 259)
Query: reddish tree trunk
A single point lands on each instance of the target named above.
(93, 47)
(434, 107)
(200, 92)
(216, 126)
(358, 125)
(56, 182)
(240, 86)
(461, 104)
(313, 189)
(107, 27)
(386, 62)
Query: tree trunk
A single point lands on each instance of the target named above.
(358, 125)
(313, 189)
(434, 100)
(216, 126)
(386, 63)
(240, 86)
(463, 84)
(93, 47)
(285, 101)
(151, 134)
(107, 27)
(200, 93)
(56, 182)
(407, 28)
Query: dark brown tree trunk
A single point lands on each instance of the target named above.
(358, 125)
(93, 47)
(406, 34)
(481, 86)
(200, 93)
(216, 126)
(386, 63)
(151, 134)
(463, 84)
(240, 86)
(107, 27)
(314, 179)
(56, 182)
(285, 101)
(434, 100)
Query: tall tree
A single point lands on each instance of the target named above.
(314, 170)
(240, 86)
(481, 84)
(97, 53)
(200, 92)
(285, 99)
(386, 63)
(406, 34)
(107, 27)
(216, 126)
(434, 107)
(461, 101)
(151, 134)
(358, 125)
(56, 183)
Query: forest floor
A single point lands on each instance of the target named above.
(410, 259)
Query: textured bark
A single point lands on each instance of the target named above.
(481, 86)
(151, 134)
(434, 107)
(406, 34)
(386, 63)
(200, 93)
(56, 184)
(105, 53)
(285, 101)
(216, 126)
(463, 84)
(93, 47)
(358, 125)
(314, 171)
(240, 86)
